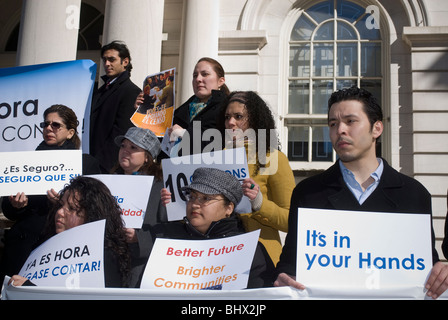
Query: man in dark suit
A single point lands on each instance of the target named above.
(112, 105)
(357, 181)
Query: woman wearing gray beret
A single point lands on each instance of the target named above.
(137, 155)
(212, 197)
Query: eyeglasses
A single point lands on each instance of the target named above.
(54, 125)
(202, 200)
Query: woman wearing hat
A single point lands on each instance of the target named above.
(138, 153)
(211, 199)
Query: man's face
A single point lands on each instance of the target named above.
(351, 134)
(113, 64)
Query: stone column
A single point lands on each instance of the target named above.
(200, 35)
(139, 23)
(43, 24)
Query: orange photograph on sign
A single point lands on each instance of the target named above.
(156, 111)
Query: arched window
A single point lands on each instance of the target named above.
(334, 44)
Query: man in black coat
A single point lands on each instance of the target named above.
(112, 105)
(358, 181)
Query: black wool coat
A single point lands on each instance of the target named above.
(110, 115)
(208, 119)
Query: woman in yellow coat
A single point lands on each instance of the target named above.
(249, 122)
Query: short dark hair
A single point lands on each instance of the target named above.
(123, 52)
(69, 118)
(370, 103)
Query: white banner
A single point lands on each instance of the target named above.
(25, 93)
(219, 264)
(177, 173)
(71, 259)
(363, 253)
(132, 194)
(35, 172)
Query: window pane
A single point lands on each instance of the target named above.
(347, 59)
(322, 149)
(322, 90)
(374, 87)
(367, 29)
(299, 96)
(344, 84)
(346, 32)
(325, 31)
(323, 60)
(302, 29)
(299, 61)
(298, 138)
(371, 59)
(349, 11)
(322, 11)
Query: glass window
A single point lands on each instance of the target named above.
(331, 48)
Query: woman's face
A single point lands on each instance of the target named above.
(203, 209)
(55, 131)
(236, 116)
(69, 215)
(205, 79)
(131, 157)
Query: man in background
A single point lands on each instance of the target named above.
(112, 104)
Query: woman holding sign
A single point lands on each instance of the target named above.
(211, 199)
(59, 130)
(249, 123)
(210, 90)
(87, 200)
(138, 153)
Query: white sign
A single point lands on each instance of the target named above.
(222, 264)
(71, 259)
(132, 194)
(35, 172)
(364, 251)
(177, 173)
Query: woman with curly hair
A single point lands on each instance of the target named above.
(87, 200)
(248, 122)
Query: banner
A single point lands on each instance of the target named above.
(26, 92)
(177, 173)
(367, 253)
(36, 172)
(157, 110)
(132, 194)
(71, 259)
(218, 264)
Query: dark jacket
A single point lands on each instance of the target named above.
(112, 108)
(395, 193)
(155, 214)
(261, 272)
(208, 119)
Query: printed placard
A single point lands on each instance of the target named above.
(365, 251)
(177, 173)
(72, 259)
(36, 172)
(218, 264)
(132, 195)
(157, 110)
